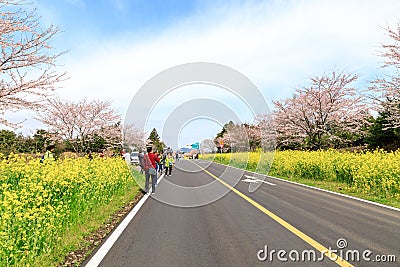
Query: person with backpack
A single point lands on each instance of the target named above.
(169, 162)
(49, 154)
(149, 164)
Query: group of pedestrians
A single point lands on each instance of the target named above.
(153, 164)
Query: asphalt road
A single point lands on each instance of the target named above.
(280, 224)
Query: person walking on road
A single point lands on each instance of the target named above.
(149, 162)
(140, 156)
(163, 156)
(169, 162)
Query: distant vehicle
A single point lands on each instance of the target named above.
(135, 157)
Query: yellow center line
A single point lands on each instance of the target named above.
(332, 256)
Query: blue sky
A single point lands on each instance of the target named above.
(113, 17)
(117, 45)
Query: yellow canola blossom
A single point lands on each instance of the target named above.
(375, 173)
(38, 201)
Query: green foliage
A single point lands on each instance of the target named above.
(7, 141)
(154, 136)
(95, 144)
(224, 129)
(42, 140)
(382, 136)
(10, 142)
(158, 145)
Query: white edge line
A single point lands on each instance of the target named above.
(320, 189)
(103, 250)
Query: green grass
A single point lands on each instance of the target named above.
(139, 178)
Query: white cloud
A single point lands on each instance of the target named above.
(301, 38)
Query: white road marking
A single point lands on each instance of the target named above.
(103, 250)
(250, 181)
(256, 179)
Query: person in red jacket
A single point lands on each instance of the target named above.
(149, 163)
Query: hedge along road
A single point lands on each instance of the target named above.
(280, 224)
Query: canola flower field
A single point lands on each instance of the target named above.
(39, 202)
(372, 175)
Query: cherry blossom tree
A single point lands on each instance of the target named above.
(328, 111)
(133, 138)
(235, 138)
(26, 60)
(386, 90)
(267, 132)
(240, 137)
(253, 132)
(81, 122)
(207, 146)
